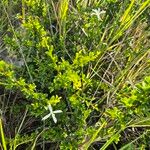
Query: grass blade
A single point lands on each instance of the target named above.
(2, 135)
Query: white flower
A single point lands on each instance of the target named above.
(52, 113)
(98, 13)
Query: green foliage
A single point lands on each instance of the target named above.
(132, 109)
(77, 58)
(137, 100)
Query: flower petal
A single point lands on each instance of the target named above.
(50, 108)
(57, 111)
(46, 117)
(54, 118)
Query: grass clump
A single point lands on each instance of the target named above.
(78, 72)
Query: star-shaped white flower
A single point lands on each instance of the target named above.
(52, 113)
(98, 13)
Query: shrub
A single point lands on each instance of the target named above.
(75, 62)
